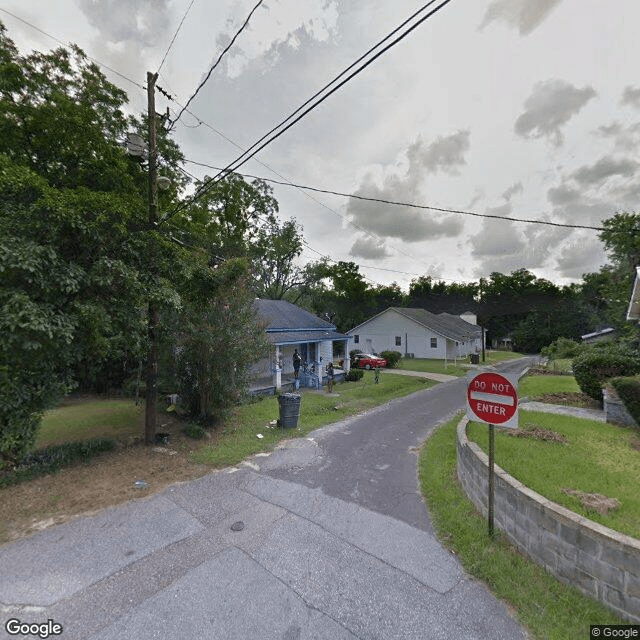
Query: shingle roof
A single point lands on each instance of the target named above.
(288, 324)
(445, 324)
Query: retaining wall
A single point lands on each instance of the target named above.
(601, 562)
(615, 410)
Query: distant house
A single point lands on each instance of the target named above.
(601, 335)
(633, 313)
(288, 328)
(418, 333)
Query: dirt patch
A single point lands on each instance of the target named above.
(634, 443)
(570, 398)
(537, 433)
(107, 480)
(594, 501)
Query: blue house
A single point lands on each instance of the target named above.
(290, 328)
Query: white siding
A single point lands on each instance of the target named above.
(379, 334)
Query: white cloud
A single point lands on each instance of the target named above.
(368, 248)
(603, 169)
(525, 15)
(631, 96)
(549, 107)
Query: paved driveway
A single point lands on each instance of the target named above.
(327, 537)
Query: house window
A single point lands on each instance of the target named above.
(434, 343)
(398, 341)
(356, 339)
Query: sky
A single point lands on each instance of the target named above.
(516, 108)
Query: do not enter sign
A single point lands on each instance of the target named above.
(492, 398)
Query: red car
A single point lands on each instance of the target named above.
(368, 361)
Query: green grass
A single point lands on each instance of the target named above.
(561, 364)
(90, 419)
(238, 436)
(427, 365)
(549, 609)
(533, 386)
(459, 369)
(598, 458)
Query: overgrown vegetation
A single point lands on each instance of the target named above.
(628, 390)
(392, 358)
(593, 366)
(548, 608)
(53, 458)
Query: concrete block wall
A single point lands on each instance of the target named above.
(615, 410)
(601, 562)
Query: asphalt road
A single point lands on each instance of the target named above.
(327, 537)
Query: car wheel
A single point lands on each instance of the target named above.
(368, 366)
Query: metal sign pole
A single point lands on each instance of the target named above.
(491, 480)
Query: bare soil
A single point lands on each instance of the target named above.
(594, 501)
(531, 430)
(107, 480)
(570, 398)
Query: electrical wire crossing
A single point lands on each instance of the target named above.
(217, 62)
(175, 35)
(411, 205)
(330, 88)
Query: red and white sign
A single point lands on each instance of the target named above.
(493, 398)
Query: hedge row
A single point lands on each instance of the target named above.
(55, 457)
(628, 389)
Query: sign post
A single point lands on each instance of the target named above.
(492, 398)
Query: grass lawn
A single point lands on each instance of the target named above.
(598, 458)
(561, 364)
(428, 365)
(549, 609)
(434, 366)
(238, 438)
(93, 418)
(533, 386)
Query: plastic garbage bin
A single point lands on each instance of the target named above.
(289, 410)
(475, 358)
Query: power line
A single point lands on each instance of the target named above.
(217, 62)
(100, 64)
(405, 204)
(175, 35)
(238, 162)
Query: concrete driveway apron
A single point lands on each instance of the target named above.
(327, 537)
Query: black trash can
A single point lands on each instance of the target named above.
(475, 358)
(289, 410)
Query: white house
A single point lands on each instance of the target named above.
(418, 333)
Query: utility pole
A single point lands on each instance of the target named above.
(153, 313)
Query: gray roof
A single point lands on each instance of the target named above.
(288, 324)
(445, 324)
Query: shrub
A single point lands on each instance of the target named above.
(194, 431)
(596, 365)
(628, 389)
(55, 457)
(354, 352)
(353, 375)
(562, 348)
(392, 358)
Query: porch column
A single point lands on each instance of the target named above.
(277, 374)
(347, 359)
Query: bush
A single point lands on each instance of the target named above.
(596, 365)
(392, 358)
(628, 389)
(354, 352)
(353, 375)
(562, 348)
(55, 457)
(194, 431)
